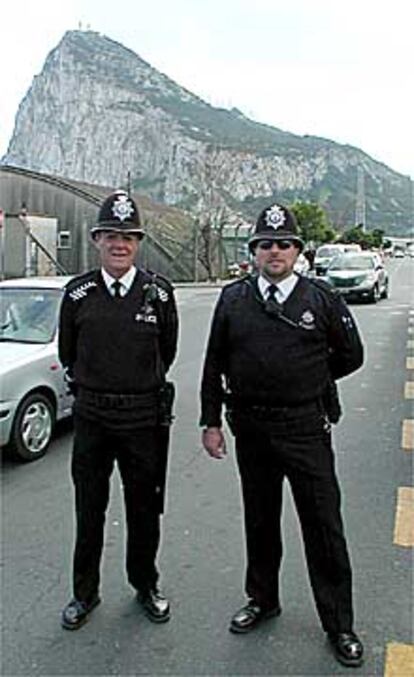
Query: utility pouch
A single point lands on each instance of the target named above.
(331, 402)
(71, 387)
(166, 397)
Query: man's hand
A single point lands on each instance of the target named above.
(214, 442)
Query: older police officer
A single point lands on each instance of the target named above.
(277, 343)
(117, 340)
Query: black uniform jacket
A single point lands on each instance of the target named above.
(276, 358)
(123, 345)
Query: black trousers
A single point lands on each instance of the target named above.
(299, 448)
(95, 451)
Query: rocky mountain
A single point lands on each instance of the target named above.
(98, 111)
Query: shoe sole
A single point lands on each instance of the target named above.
(237, 630)
(76, 626)
(149, 615)
(156, 619)
(348, 663)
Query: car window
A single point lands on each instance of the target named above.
(28, 315)
(352, 263)
(324, 252)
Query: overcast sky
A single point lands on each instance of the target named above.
(340, 69)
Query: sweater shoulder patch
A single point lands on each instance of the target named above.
(81, 286)
(237, 288)
(158, 279)
(324, 287)
(156, 287)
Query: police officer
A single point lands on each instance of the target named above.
(117, 340)
(277, 343)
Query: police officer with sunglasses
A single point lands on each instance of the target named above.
(277, 344)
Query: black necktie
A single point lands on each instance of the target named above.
(271, 293)
(272, 303)
(116, 286)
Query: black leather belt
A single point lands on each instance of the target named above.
(116, 400)
(270, 411)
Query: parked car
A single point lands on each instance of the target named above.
(33, 393)
(359, 275)
(324, 256)
(327, 252)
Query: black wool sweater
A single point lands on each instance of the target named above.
(265, 359)
(115, 345)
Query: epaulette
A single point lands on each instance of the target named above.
(159, 279)
(157, 287)
(324, 286)
(240, 286)
(238, 280)
(80, 286)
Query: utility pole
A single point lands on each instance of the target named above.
(360, 211)
(84, 245)
(2, 246)
(196, 244)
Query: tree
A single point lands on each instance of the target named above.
(357, 235)
(313, 222)
(212, 212)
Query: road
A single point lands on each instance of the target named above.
(202, 557)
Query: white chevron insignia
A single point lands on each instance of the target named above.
(81, 292)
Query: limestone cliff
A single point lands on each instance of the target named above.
(98, 111)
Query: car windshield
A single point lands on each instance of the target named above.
(352, 263)
(28, 315)
(326, 252)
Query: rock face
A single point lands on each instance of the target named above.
(98, 111)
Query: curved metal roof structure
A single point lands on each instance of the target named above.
(75, 206)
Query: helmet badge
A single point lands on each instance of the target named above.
(275, 217)
(122, 207)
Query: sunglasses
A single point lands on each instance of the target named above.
(268, 244)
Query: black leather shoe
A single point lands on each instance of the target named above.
(76, 613)
(250, 615)
(155, 605)
(347, 648)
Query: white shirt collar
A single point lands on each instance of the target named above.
(284, 287)
(125, 281)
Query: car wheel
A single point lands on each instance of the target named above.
(385, 291)
(32, 428)
(375, 295)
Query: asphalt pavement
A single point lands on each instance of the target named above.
(202, 555)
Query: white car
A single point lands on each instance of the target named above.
(33, 394)
(302, 265)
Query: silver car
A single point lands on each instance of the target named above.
(33, 394)
(359, 276)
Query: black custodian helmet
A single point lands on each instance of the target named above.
(119, 213)
(276, 223)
